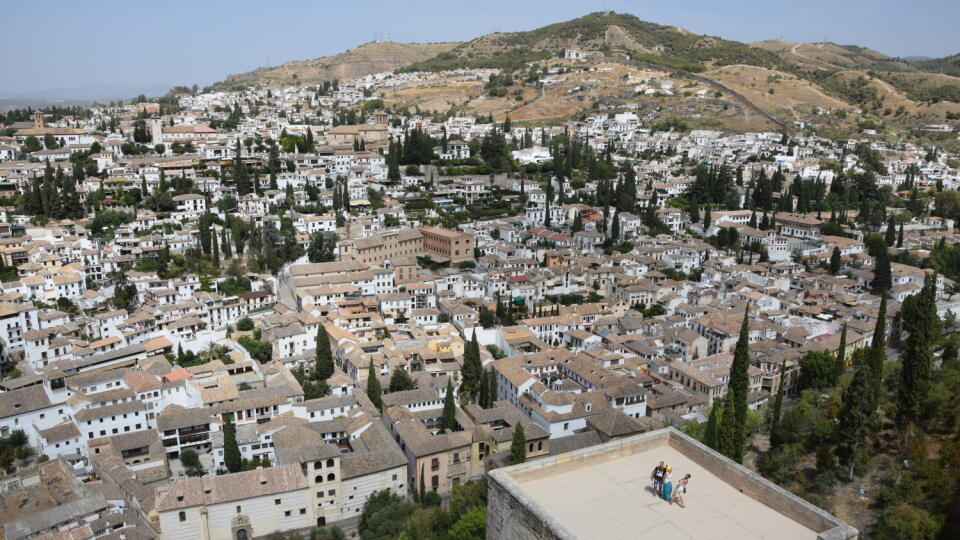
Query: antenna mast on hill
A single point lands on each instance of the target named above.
(606, 11)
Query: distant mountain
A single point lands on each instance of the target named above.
(949, 65)
(916, 58)
(366, 59)
(88, 93)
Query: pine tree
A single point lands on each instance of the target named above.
(374, 390)
(776, 437)
(733, 430)
(518, 448)
(231, 451)
(449, 421)
(919, 313)
(854, 417)
(323, 364)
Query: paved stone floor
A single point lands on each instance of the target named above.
(612, 500)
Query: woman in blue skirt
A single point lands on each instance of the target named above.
(667, 490)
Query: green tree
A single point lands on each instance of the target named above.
(776, 436)
(400, 380)
(374, 390)
(900, 237)
(518, 448)
(732, 434)
(323, 366)
(842, 352)
(854, 417)
(818, 369)
(384, 515)
(472, 525)
(449, 422)
(891, 236)
(191, 463)
(882, 278)
(877, 355)
(711, 432)
(835, 262)
(919, 313)
(492, 392)
(231, 451)
(472, 366)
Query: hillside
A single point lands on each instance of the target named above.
(368, 58)
(780, 80)
(949, 65)
(669, 46)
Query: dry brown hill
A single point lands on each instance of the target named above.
(374, 57)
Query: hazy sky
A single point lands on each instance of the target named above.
(68, 44)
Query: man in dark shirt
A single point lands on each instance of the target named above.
(657, 477)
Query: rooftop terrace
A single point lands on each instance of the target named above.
(604, 492)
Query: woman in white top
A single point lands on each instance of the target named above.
(679, 494)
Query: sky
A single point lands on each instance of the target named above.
(68, 47)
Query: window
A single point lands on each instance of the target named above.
(435, 482)
(331, 477)
(276, 501)
(303, 511)
(331, 493)
(287, 513)
(238, 508)
(329, 463)
(183, 516)
(435, 464)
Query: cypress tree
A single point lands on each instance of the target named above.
(842, 351)
(449, 421)
(711, 431)
(231, 451)
(835, 262)
(881, 274)
(492, 391)
(323, 365)
(776, 437)
(900, 237)
(920, 319)
(854, 416)
(484, 390)
(891, 236)
(215, 257)
(706, 219)
(877, 355)
(733, 429)
(518, 448)
(374, 390)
